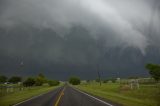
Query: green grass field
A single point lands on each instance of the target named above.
(19, 96)
(146, 95)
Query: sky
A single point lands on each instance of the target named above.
(63, 38)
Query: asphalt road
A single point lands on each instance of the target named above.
(65, 96)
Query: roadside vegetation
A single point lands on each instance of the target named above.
(16, 97)
(132, 91)
(17, 89)
(74, 81)
(154, 71)
(146, 95)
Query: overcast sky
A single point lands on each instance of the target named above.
(54, 35)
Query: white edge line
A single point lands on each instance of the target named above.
(28, 99)
(31, 98)
(93, 97)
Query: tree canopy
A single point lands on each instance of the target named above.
(15, 79)
(29, 82)
(74, 81)
(3, 79)
(154, 71)
(53, 82)
(40, 79)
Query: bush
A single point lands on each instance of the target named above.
(105, 81)
(39, 81)
(113, 80)
(3, 79)
(74, 81)
(29, 82)
(15, 79)
(53, 82)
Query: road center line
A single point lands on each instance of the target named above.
(34, 97)
(59, 97)
(93, 97)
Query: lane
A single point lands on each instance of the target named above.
(66, 96)
(47, 99)
(73, 97)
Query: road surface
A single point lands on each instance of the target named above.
(65, 96)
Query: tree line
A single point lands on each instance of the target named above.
(39, 80)
(154, 71)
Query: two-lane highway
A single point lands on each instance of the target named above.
(74, 97)
(65, 96)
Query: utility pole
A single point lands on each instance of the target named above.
(99, 76)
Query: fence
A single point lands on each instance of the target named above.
(11, 89)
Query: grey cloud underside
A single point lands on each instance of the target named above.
(73, 55)
(63, 38)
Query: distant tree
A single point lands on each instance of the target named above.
(154, 71)
(3, 79)
(132, 77)
(29, 82)
(110, 79)
(40, 79)
(41, 75)
(53, 82)
(113, 80)
(74, 81)
(15, 79)
(105, 81)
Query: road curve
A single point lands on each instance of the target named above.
(65, 96)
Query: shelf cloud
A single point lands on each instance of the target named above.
(123, 22)
(111, 23)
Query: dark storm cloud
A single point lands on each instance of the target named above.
(78, 32)
(126, 19)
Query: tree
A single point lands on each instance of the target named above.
(29, 82)
(113, 80)
(74, 81)
(41, 75)
(15, 79)
(40, 79)
(154, 71)
(53, 82)
(3, 79)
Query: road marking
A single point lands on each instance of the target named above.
(33, 98)
(29, 99)
(94, 97)
(59, 97)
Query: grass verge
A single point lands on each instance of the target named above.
(17, 97)
(145, 96)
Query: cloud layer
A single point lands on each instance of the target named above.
(120, 23)
(66, 37)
